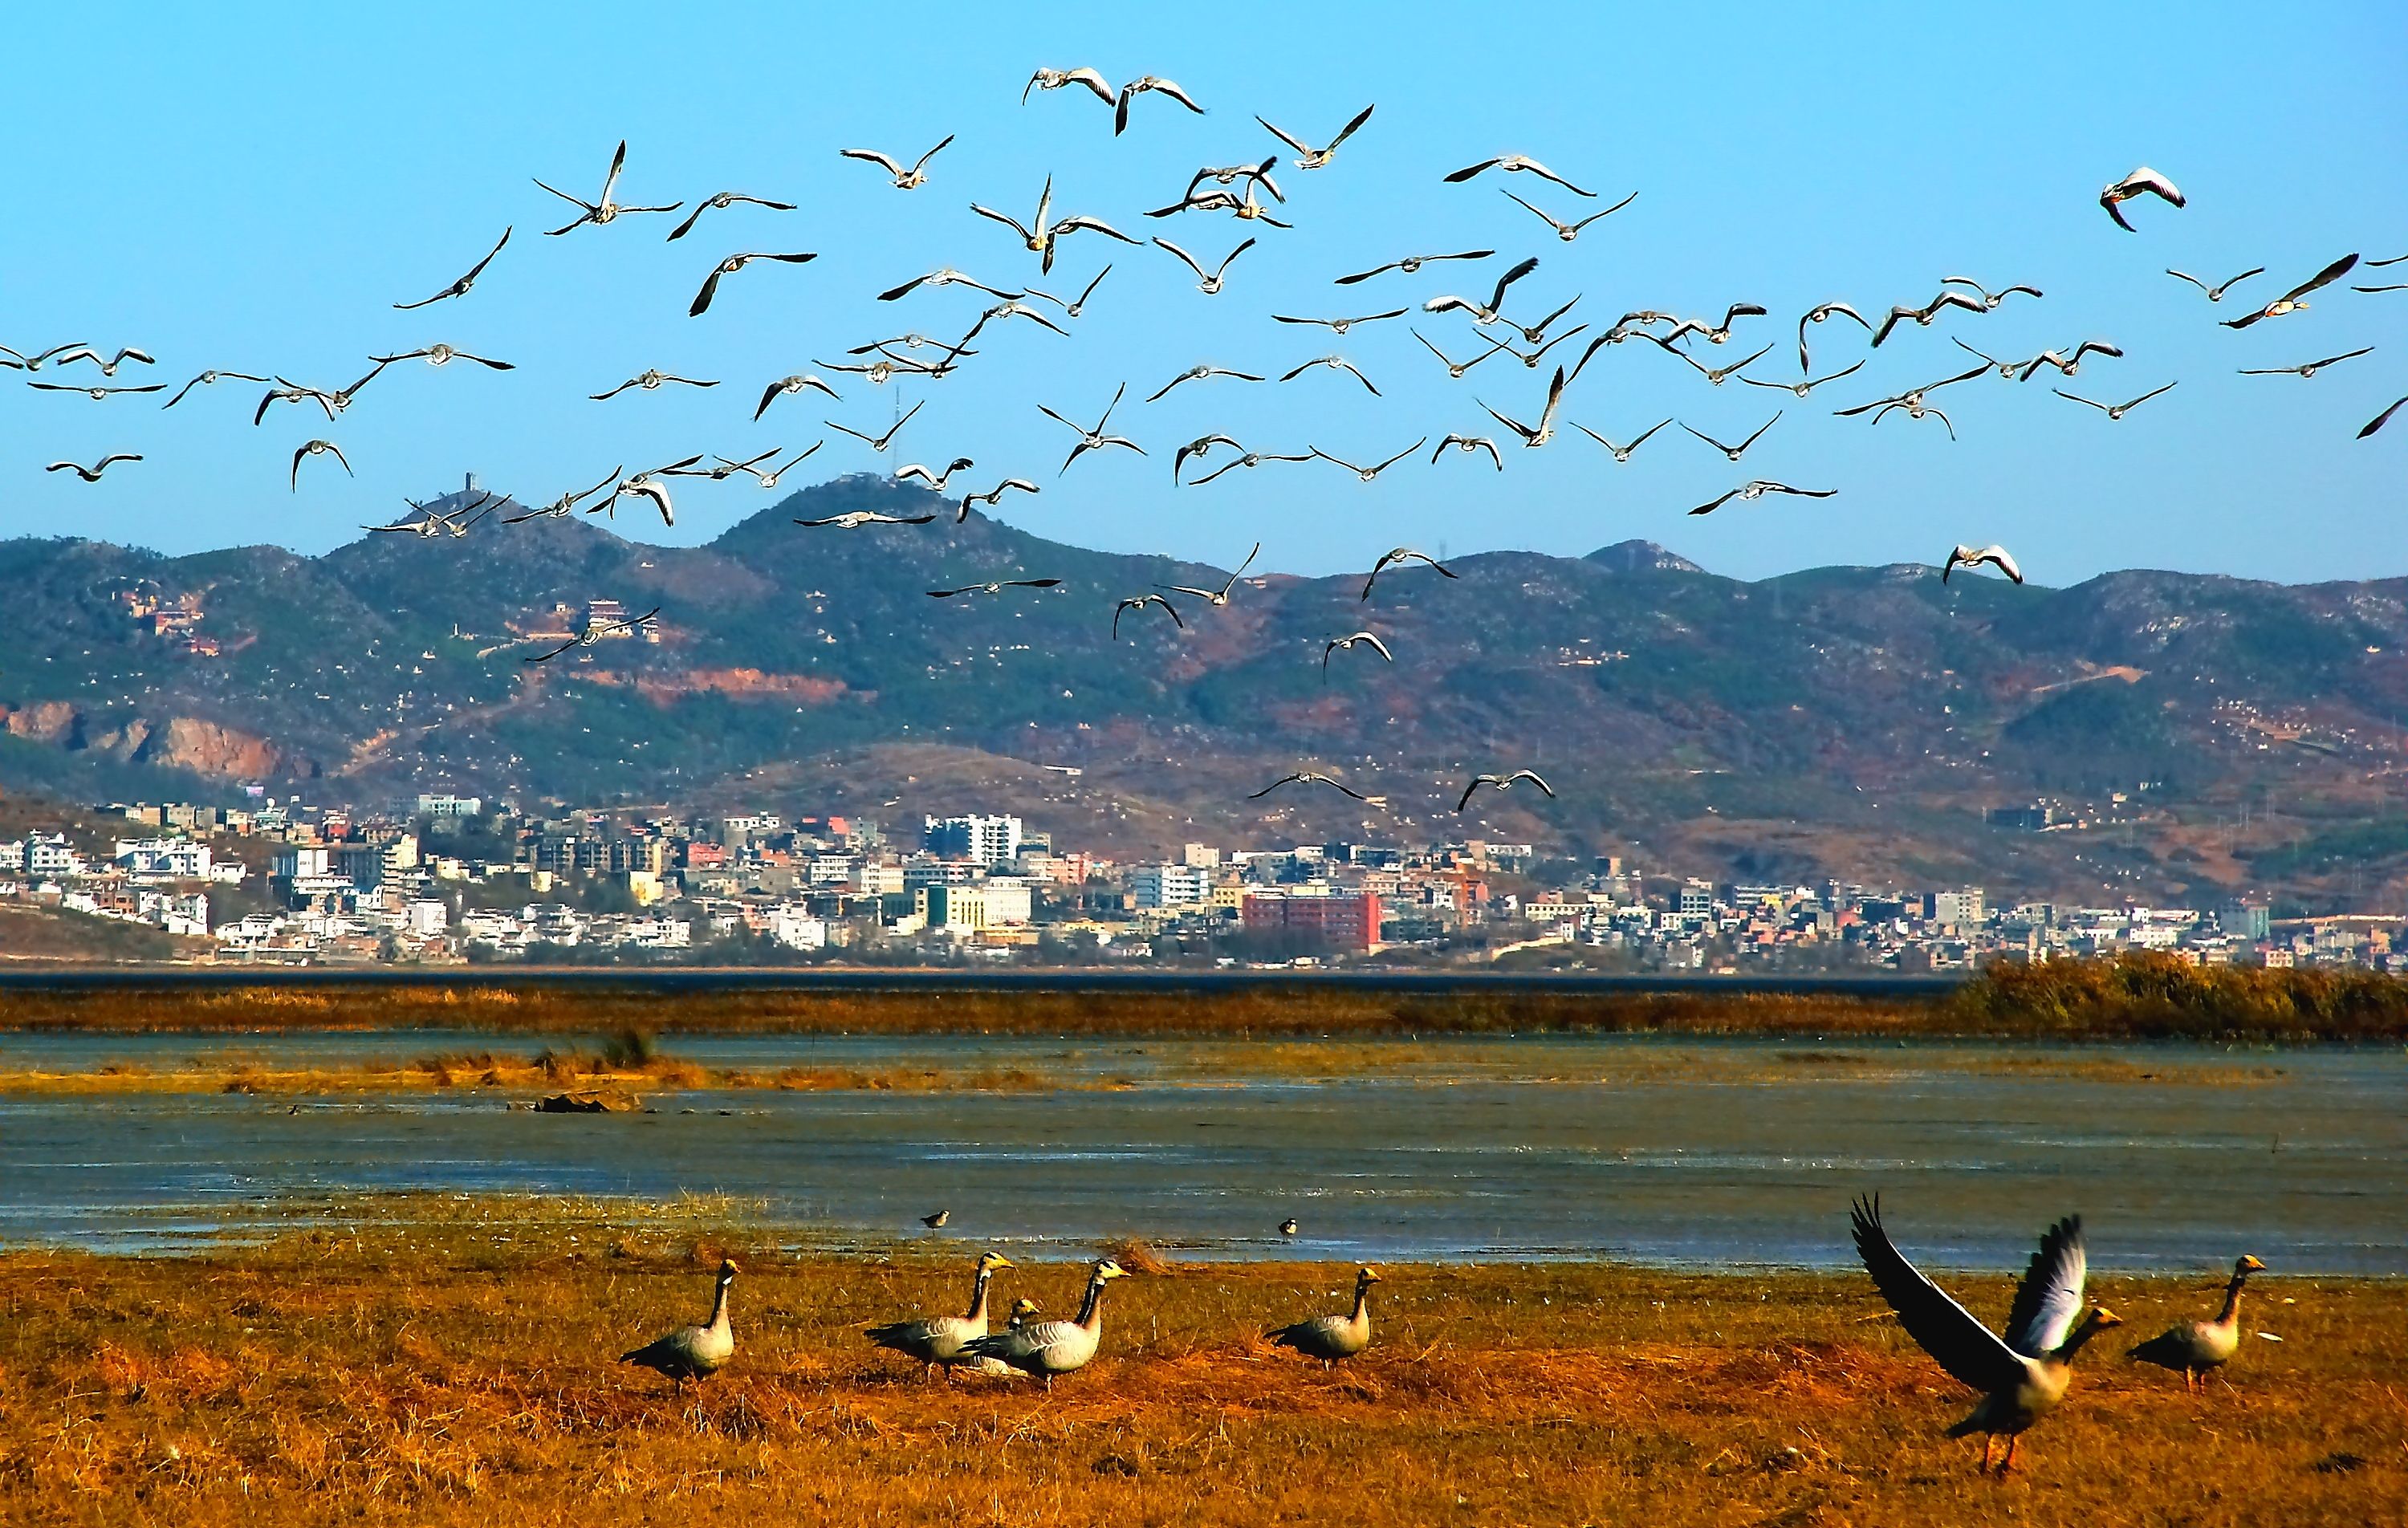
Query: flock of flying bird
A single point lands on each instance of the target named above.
(2021, 1375)
(1247, 191)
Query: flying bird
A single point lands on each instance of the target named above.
(2290, 302)
(1817, 314)
(1071, 309)
(1539, 434)
(602, 209)
(1338, 326)
(1735, 452)
(1043, 234)
(1622, 453)
(1146, 85)
(1367, 474)
(1514, 165)
(1997, 556)
(2143, 180)
(1095, 440)
(936, 480)
(723, 201)
(2022, 1377)
(1201, 373)
(945, 277)
(92, 474)
(769, 480)
(1716, 374)
(1311, 158)
(1570, 231)
(1485, 313)
(1990, 300)
(1138, 602)
(208, 378)
(994, 587)
(1399, 556)
(1759, 488)
(1209, 283)
(1245, 208)
(1715, 333)
(1805, 385)
(1228, 175)
(317, 448)
(2308, 369)
(439, 355)
(879, 442)
(1335, 362)
(95, 393)
(1503, 783)
(107, 364)
(911, 180)
(1201, 447)
(2067, 365)
(1220, 596)
(595, 632)
(1457, 368)
(993, 496)
(786, 385)
(1054, 79)
(646, 485)
(2113, 411)
(1347, 643)
(2379, 421)
(1252, 459)
(1923, 315)
(1911, 399)
(1410, 265)
(649, 382)
(855, 518)
(21, 360)
(1312, 776)
(1468, 443)
(460, 288)
(2216, 293)
(560, 507)
(730, 267)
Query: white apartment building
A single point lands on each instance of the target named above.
(164, 859)
(1168, 885)
(981, 841)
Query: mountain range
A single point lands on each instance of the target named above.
(2207, 734)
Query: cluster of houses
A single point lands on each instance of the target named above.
(446, 879)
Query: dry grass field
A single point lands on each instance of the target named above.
(457, 1369)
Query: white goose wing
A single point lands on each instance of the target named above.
(2049, 1300)
(1956, 1340)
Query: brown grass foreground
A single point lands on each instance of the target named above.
(463, 1373)
(2142, 995)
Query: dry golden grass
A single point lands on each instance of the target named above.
(460, 1371)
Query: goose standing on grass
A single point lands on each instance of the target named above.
(2199, 1349)
(937, 1341)
(1046, 1348)
(2022, 1377)
(1332, 1338)
(693, 1353)
(995, 1368)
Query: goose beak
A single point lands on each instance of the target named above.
(1368, 1276)
(2105, 1317)
(2250, 1264)
(996, 1260)
(727, 1268)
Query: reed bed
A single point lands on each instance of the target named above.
(2139, 996)
(458, 1369)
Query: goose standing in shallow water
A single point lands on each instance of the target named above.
(2021, 1377)
(1047, 1349)
(2198, 1349)
(937, 1341)
(1332, 1338)
(693, 1353)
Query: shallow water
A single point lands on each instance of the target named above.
(1681, 1152)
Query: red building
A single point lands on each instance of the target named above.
(1348, 921)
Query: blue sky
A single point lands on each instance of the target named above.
(253, 188)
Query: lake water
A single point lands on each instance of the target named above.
(1674, 1152)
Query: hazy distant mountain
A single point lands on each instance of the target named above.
(1843, 721)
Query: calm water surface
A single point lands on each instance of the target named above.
(1640, 1149)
